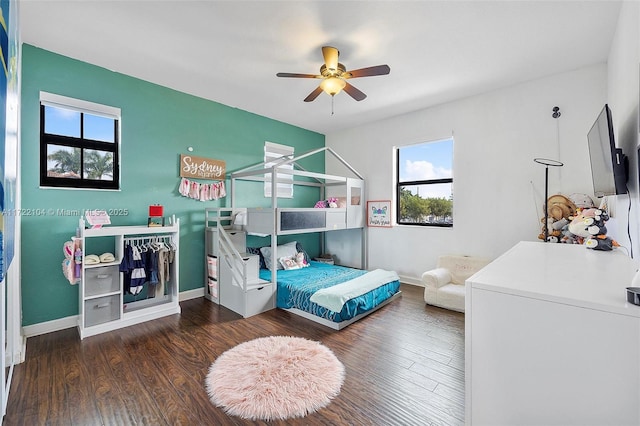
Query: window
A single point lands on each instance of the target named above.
(79, 143)
(273, 153)
(424, 179)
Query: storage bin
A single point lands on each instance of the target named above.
(212, 266)
(213, 287)
(102, 280)
(101, 310)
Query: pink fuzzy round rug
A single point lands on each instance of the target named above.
(275, 377)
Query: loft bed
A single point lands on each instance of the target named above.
(309, 291)
(348, 192)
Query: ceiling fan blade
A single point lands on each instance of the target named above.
(313, 95)
(330, 57)
(289, 74)
(353, 92)
(368, 72)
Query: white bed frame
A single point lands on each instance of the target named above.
(274, 221)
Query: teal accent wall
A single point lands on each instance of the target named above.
(158, 124)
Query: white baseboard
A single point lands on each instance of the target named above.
(72, 321)
(50, 326)
(191, 294)
(411, 280)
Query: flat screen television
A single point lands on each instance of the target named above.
(609, 166)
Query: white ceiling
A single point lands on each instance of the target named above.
(230, 51)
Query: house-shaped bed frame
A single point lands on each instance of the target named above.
(243, 291)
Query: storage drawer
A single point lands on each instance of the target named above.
(101, 280)
(258, 300)
(101, 310)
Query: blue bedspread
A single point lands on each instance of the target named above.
(295, 287)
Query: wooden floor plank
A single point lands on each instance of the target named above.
(404, 365)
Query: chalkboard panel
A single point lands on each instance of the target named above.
(290, 221)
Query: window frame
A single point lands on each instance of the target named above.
(400, 184)
(47, 139)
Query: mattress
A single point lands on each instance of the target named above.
(296, 286)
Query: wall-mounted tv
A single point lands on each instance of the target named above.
(609, 166)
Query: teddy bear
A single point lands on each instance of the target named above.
(559, 209)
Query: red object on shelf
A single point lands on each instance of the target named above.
(156, 211)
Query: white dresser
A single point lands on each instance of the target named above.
(551, 340)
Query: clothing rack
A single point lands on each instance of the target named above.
(140, 240)
(146, 266)
(104, 303)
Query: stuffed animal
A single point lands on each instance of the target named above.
(68, 264)
(601, 242)
(588, 228)
(582, 201)
(331, 202)
(559, 209)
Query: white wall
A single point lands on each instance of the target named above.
(498, 189)
(623, 93)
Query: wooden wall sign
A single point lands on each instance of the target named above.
(201, 168)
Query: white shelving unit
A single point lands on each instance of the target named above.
(102, 304)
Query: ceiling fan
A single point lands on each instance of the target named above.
(334, 76)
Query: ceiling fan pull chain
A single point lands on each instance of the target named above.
(332, 97)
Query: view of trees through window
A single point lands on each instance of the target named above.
(425, 184)
(65, 162)
(78, 148)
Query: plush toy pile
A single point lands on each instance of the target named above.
(559, 210)
(575, 220)
(329, 203)
(588, 228)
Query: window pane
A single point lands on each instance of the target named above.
(426, 204)
(99, 128)
(433, 160)
(63, 161)
(61, 121)
(98, 165)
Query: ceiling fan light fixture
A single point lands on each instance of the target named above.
(332, 85)
(334, 76)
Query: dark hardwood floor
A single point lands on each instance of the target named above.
(404, 366)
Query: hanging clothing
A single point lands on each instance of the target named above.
(126, 266)
(138, 274)
(151, 263)
(166, 257)
(133, 269)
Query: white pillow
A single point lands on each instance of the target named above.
(285, 250)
